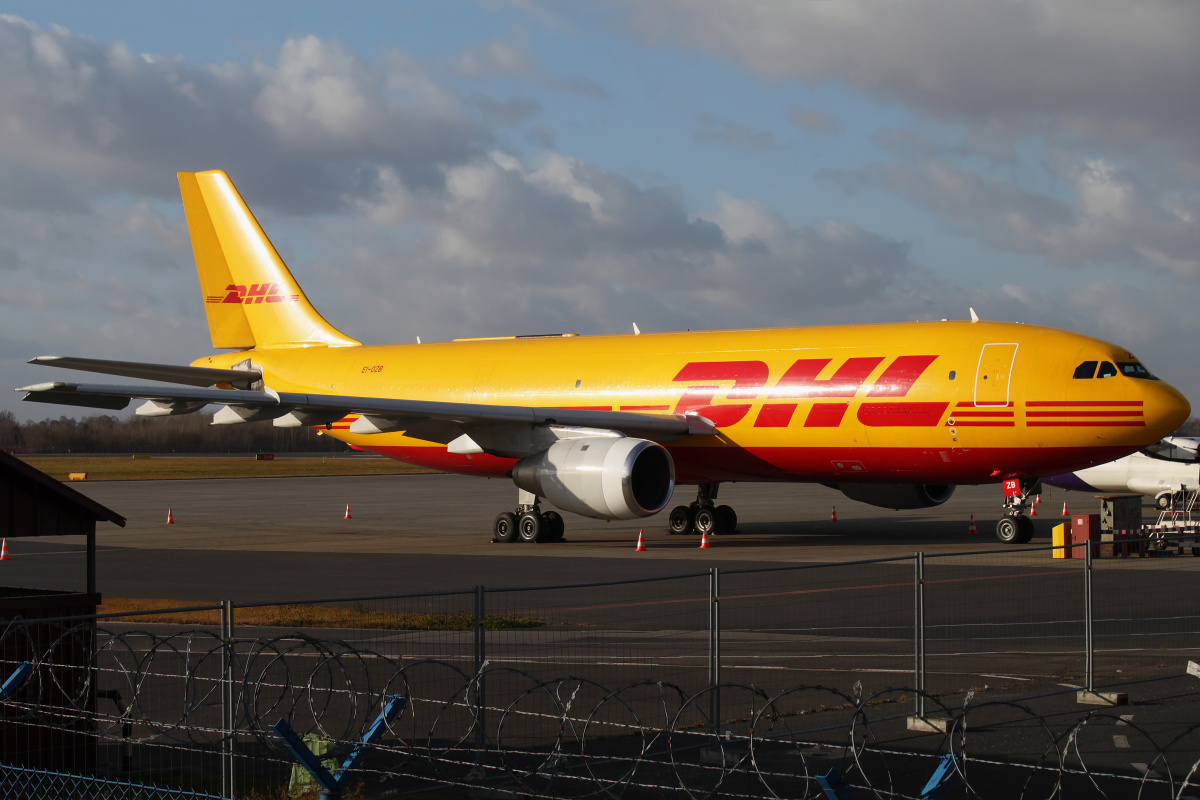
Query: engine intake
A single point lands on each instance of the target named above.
(602, 478)
(898, 495)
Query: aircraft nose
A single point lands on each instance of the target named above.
(1164, 408)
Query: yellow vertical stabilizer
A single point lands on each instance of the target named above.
(250, 297)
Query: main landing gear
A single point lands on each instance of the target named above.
(528, 523)
(1014, 527)
(702, 516)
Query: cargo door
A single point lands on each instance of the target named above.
(994, 374)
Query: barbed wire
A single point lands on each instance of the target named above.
(573, 737)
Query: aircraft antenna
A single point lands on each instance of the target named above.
(974, 316)
(636, 330)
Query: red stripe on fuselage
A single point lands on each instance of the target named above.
(1068, 403)
(706, 464)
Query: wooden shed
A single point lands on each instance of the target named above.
(55, 629)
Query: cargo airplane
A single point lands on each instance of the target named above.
(894, 415)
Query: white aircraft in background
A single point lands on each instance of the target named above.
(1160, 471)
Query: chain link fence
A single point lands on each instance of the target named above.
(884, 673)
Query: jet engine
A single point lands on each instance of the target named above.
(602, 478)
(897, 495)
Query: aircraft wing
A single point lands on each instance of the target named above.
(430, 420)
(192, 376)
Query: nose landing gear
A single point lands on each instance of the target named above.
(703, 516)
(1014, 527)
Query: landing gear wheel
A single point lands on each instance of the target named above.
(504, 529)
(681, 520)
(1163, 501)
(529, 527)
(554, 526)
(1026, 530)
(1008, 530)
(726, 519)
(706, 521)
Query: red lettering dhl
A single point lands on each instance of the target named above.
(235, 293)
(747, 376)
(800, 382)
(263, 291)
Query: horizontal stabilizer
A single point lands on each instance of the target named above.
(169, 373)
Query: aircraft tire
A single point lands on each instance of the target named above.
(1163, 501)
(530, 527)
(1025, 530)
(706, 521)
(555, 527)
(680, 521)
(504, 529)
(726, 519)
(1008, 530)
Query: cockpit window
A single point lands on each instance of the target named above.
(1107, 370)
(1086, 370)
(1132, 369)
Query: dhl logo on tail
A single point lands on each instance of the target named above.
(258, 292)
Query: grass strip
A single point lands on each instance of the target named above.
(306, 616)
(157, 468)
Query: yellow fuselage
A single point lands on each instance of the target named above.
(938, 402)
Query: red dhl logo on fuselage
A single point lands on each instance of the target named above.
(799, 383)
(257, 293)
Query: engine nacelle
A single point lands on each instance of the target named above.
(897, 495)
(602, 478)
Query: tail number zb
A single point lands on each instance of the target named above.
(800, 383)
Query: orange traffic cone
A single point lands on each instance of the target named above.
(1038, 500)
(4, 550)
(1033, 510)
(641, 545)
(833, 516)
(1065, 512)
(971, 528)
(348, 515)
(704, 540)
(170, 517)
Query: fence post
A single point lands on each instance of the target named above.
(480, 656)
(228, 701)
(919, 634)
(714, 650)
(1087, 615)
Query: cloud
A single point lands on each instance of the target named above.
(98, 113)
(733, 135)
(814, 121)
(511, 58)
(1105, 72)
(1107, 216)
(565, 243)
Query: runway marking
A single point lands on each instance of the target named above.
(1004, 677)
(1121, 741)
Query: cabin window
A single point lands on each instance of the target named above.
(1132, 369)
(1107, 370)
(1086, 370)
(953, 374)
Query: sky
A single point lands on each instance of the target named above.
(484, 168)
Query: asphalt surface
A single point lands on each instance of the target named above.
(1002, 620)
(282, 538)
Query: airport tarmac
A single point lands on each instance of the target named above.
(281, 538)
